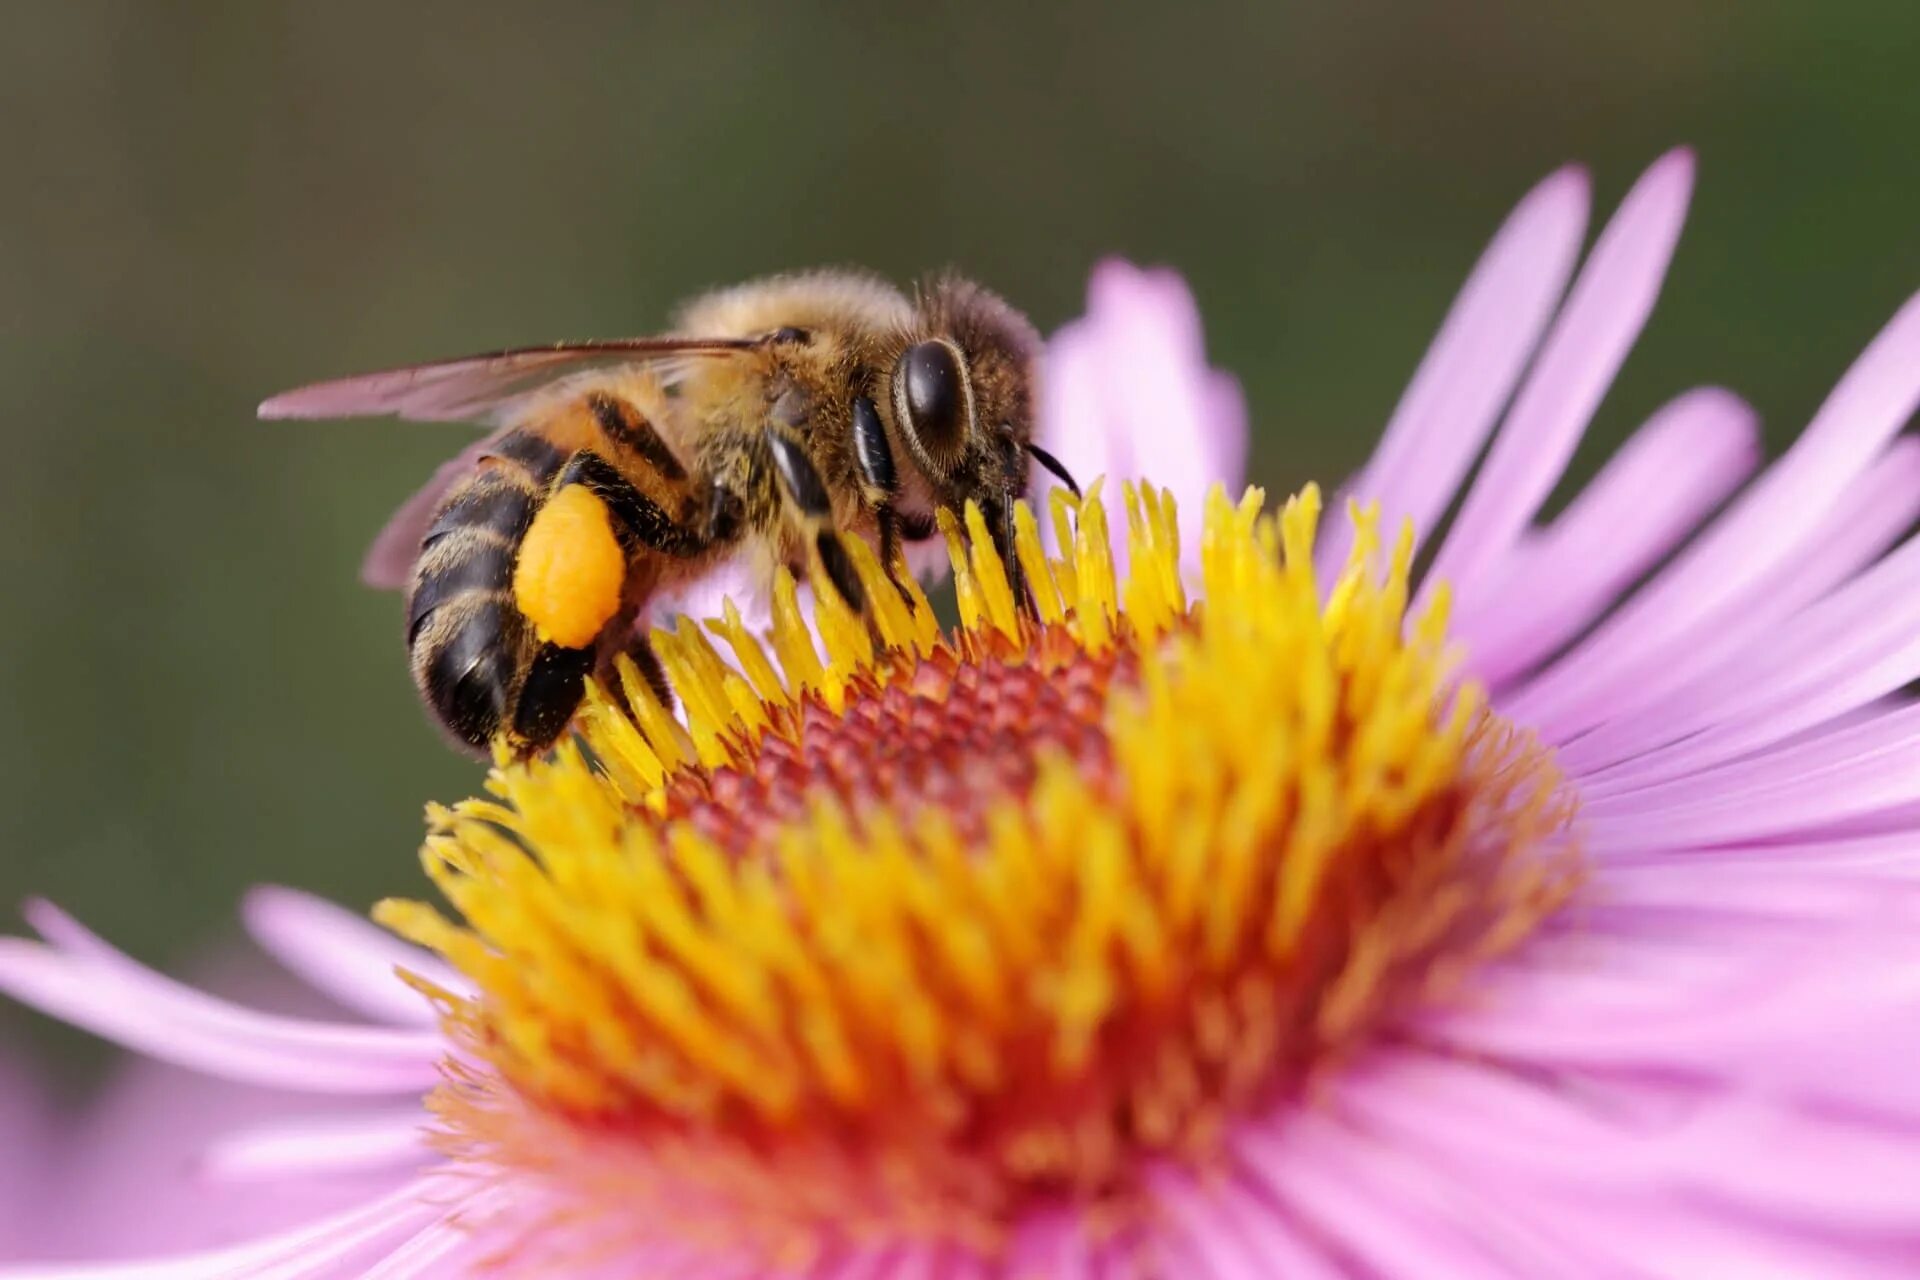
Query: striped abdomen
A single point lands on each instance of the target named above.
(475, 657)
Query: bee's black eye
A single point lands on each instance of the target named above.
(931, 398)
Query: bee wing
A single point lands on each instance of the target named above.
(485, 388)
(389, 561)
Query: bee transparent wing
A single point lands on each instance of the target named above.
(485, 388)
(389, 561)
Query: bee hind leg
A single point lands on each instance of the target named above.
(637, 648)
(571, 582)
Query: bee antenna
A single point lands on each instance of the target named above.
(1054, 465)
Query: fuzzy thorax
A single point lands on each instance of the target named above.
(907, 933)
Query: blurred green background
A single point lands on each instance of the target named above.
(204, 204)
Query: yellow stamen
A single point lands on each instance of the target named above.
(890, 939)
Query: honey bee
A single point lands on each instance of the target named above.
(775, 419)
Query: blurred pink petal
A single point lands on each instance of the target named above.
(138, 1171)
(1126, 393)
(343, 955)
(112, 996)
(26, 1151)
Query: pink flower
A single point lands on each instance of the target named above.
(1695, 1061)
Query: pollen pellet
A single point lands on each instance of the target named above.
(568, 578)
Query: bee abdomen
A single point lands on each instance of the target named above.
(463, 631)
(471, 544)
(455, 567)
(492, 502)
(531, 453)
(464, 664)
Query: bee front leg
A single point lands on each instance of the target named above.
(1001, 527)
(807, 494)
(874, 457)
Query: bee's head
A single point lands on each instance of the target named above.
(962, 394)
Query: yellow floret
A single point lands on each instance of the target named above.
(570, 572)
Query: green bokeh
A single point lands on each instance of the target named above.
(204, 204)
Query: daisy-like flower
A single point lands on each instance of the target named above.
(1257, 910)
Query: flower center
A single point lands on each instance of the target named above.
(907, 940)
(957, 732)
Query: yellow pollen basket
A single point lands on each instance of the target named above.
(893, 936)
(567, 576)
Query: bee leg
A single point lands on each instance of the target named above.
(874, 456)
(807, 494)
(640, 650)
(580, 613)
(840, 571)
(721, 516)
(550, 695)
(1001, 528)
(640, 520)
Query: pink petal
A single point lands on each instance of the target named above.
(1893, 853)
(1050, 1242)
(1540, 1146)
(320, 1145)
(1882, 507)
(1228, 1232)
(150, 1014)
(1603, 316)
(1475, 1116)
(1809, 784)
(1741, 553)
(26, 1134)
(1385, 1229)
(319, 1248)
(1650, 497)
(1467, 374)
(1798, 1020)
(1851, 649)
(348, 958)
(1126, 393)
(447, 1248)
(1678, 1240)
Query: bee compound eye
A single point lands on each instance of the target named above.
(931, 395)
